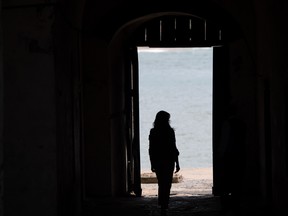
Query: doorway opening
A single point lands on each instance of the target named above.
(178, 80)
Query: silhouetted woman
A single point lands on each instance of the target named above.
(163, 155)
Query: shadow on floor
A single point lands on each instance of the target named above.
(179, 205)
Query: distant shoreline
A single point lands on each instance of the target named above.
(192, 173)
(148, 49)
(196, 181)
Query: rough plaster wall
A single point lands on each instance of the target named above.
(97, 149)
(263, 24)
(243, 105)
(29, 132)
(275, 65)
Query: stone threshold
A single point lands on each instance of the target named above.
(150, 178)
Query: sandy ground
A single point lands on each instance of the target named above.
(195, 181)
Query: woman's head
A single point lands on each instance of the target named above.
(162, 118)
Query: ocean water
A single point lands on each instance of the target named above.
(179, 81)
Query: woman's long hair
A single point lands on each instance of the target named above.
(162, 120)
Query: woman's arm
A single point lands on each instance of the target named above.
(177, 165)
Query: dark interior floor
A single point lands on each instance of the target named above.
(206, 205)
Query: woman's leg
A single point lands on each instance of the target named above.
(164, 176)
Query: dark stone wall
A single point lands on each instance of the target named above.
(96, 118)
(29, 111)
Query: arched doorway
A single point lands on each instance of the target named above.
(169, 29)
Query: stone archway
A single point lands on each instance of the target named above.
(124, 68)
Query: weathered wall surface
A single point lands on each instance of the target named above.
(29, 104)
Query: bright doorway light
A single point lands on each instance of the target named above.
(178, 80)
